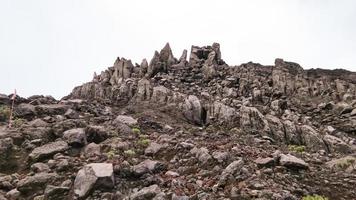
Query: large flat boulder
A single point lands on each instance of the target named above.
(48, 150)
(35, 182)
(291, 161)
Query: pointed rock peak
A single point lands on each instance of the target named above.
(155, 58)
(167, 47)
(117, 61)
(166, 53)
(144, 63)
(183, 57)
(216, 48)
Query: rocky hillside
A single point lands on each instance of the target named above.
(186, 129)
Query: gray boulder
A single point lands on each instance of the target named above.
(252, 120)
(147, 166)
(35, 183)
(25, 110)
(193, 111)
(56, 193)
(202, 154)
(146, 193)
(48, 150)
(126, 120)
(160, 94)
(51, 109)
(153, 148)
(75, 137)
(291, 161)
(93, 176)
(144, 89)
(230, 171)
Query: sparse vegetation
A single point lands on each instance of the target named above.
(4, 113)
(296, 148)
(314, 197)
(110, 154)
(136, 130)
(130, 153)
(346, 163)
(18, 122)
(144, 142)
(351, 162)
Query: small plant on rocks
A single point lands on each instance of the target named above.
(130, 153)
(136, 130)
(296, 148)
(314, 197)
(4, 113)
(346, 164)
(144, 142)
(18, 122)
(351, 162)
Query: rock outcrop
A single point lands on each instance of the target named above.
(187, 128)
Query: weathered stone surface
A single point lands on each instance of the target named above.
(346, 163)
(38, 123)
(147, 166)
(194, 118)
(252, 120)
(229, 171)
(93, 176)
(51, 109)
(25, 110)
(160, 94)
(292, 162)
(56, 192)
(35, 183)
(75, 137)
(202, 154)
(146, 193)
(193, 110)
(48, 150)
(311, 138)
(335, 144)
(126, 120)
(153, 148)
(92, 150)
(144, 89)
(96, 134)
(264, 162)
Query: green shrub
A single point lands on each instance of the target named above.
(296, 148)
(18, 122)
(346, 163)
(130, 153)
(4, 113)
(110, 154)
(314, 197)
(144, 142)
(136, 130)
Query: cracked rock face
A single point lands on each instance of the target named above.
(191, 127)
(93, 175)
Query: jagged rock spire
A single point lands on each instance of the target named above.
(183, 57)
(143, 67)
(161, 61)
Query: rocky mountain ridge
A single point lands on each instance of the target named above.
(183, 128)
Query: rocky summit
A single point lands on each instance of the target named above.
(187, 128)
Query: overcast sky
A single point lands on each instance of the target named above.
(48, 47)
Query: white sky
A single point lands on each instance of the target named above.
(49, 46)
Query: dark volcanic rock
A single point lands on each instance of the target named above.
(48, 150)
